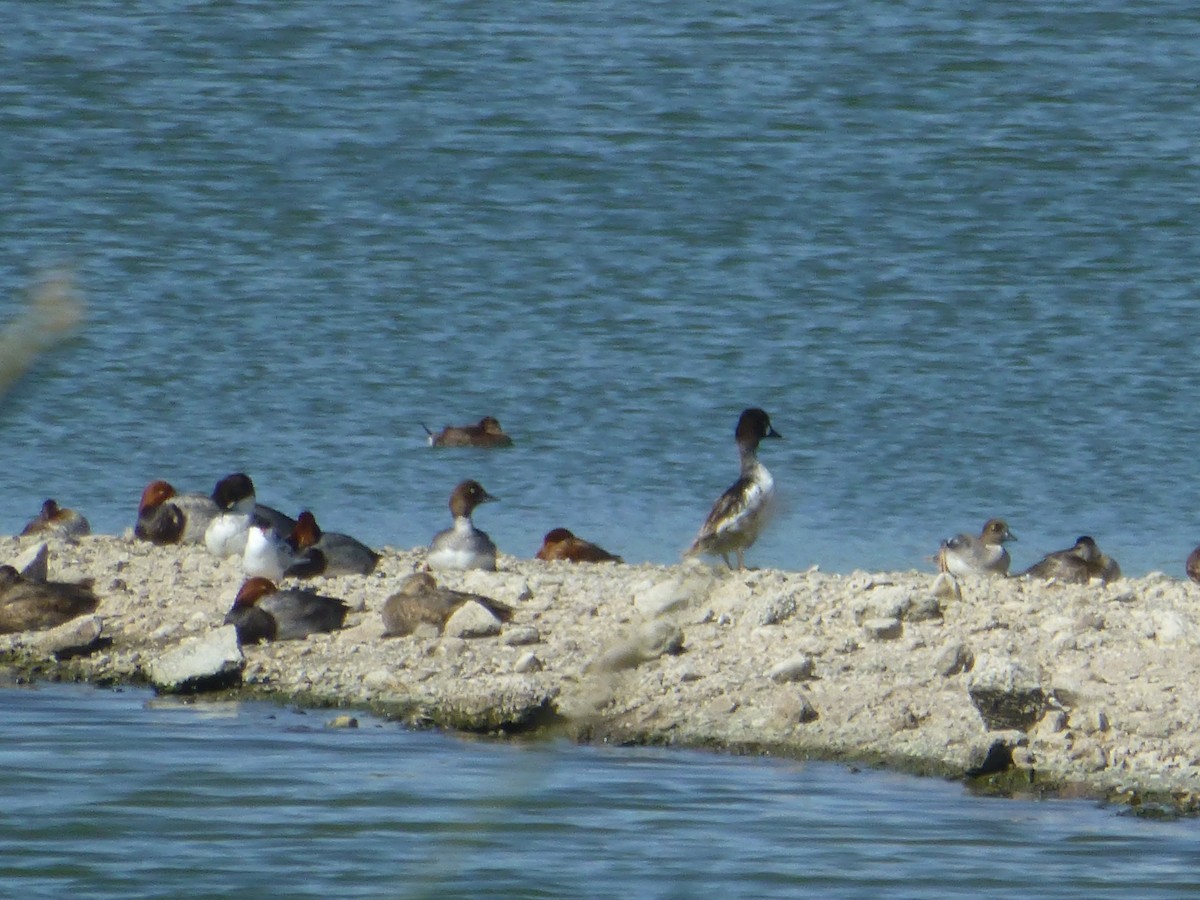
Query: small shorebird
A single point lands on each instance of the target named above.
(965, 554)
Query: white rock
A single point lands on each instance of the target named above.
(209, 662)
(771, 609)
(672, 594)
(73, 638)
(955, 658)
(34, 563)
(797, 668)
(377, 678)
(1001, 672)
(1170, 627)
(472, 620)
(521, 635)
(887, 602)
(649, 642)
(883, 629)
(1053, 722)
(796, 709)
(527, 663)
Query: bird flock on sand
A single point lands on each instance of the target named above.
(274, 547)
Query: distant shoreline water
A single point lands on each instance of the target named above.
(950, 255)
(275, 801)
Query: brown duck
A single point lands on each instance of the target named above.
(1077, 565)
(55, 521)
(420, 601)
(28, 605)
(562, 544)
(486, 433)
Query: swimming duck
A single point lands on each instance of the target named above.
(263, 612)
(487, 433)
(238, 509)
(965, 554)
(1078, 564)
(55, 521)
(421, 601)
(463, 546)
(267, 555)
(740, 513)
(562, 544)
(168, 517)
(326, 552)
(29, 605)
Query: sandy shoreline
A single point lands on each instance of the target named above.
(1092, 685)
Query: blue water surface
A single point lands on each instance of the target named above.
(115, 794)
(951, 252)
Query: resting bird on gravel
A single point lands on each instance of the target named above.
(54, 521)
(327, 552)
(167, 517)
(267, 555)
(238, 509)
(562, 544)
(263, 612)
(965, 554)
(30, 605)
(1193, 565)
(421, 601)
(1078, 564)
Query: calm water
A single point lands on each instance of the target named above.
(253, 800)
(952, 254)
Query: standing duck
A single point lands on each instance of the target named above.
(738, 516)
(463, 546)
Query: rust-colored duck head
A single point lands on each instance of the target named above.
(156, 494)
(306, 533)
